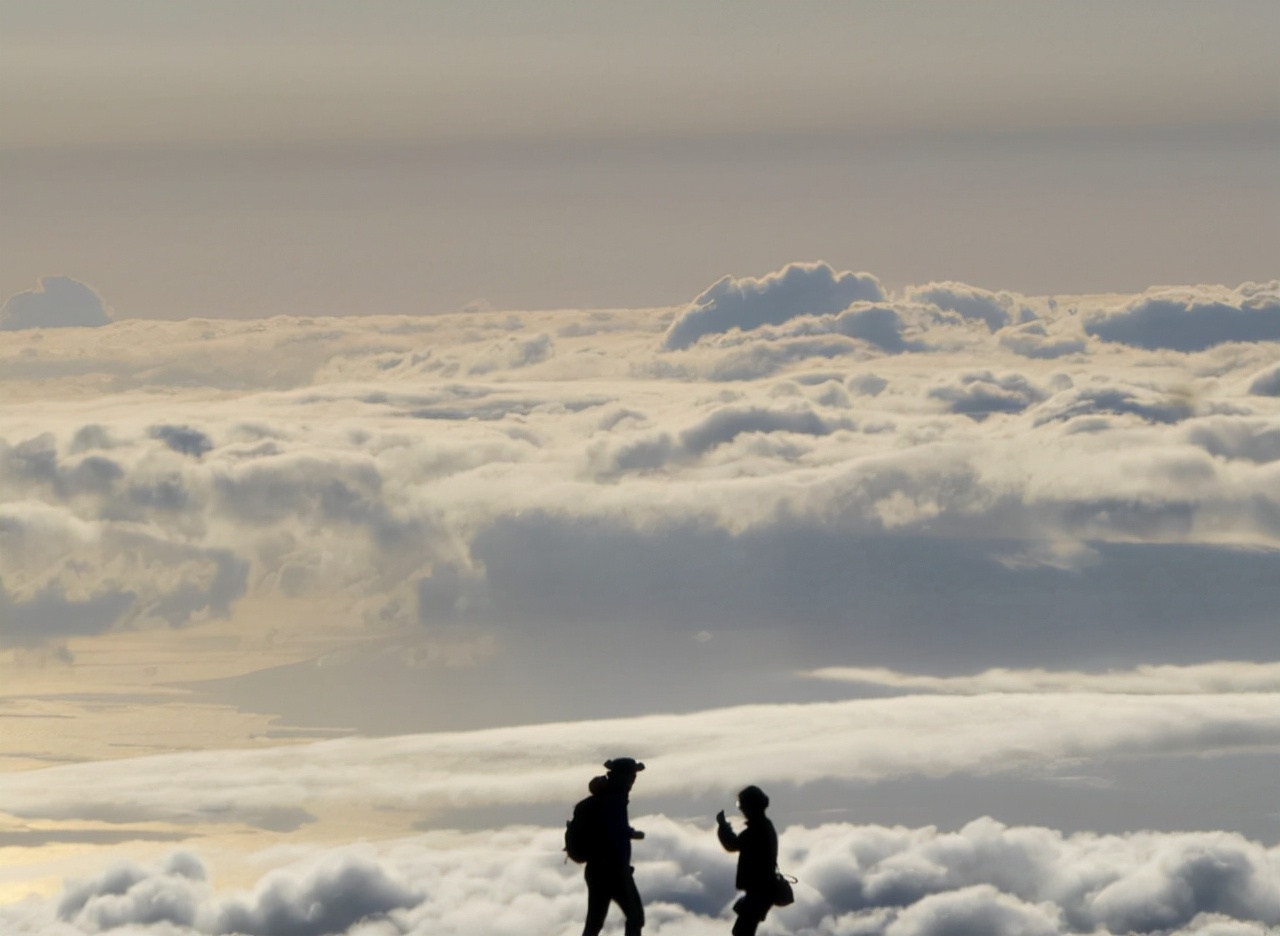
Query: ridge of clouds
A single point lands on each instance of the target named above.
(1202, 678)
(849, 742)
(854, 880)
(1184, 320)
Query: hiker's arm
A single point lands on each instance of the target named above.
(724, 831)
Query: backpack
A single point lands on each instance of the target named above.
(582, 832)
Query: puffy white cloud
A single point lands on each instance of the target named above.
(983, 877)
(747, 303)
(1186, 320)
(995, 309)
(57, 302)
(336, 895)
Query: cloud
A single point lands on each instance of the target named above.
(1146, 404)
(1251, 440)
(57, 302)
(332, 897)
(854, 880)
(720, 428)
(848, 742)
(747, 303)
(1144, 680)
(1189, 321)
(1267, 383)
(50, 614)
(982, 393)
(183, 439)
(1033, 340)
(995, 309)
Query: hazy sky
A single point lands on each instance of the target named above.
(240, 159)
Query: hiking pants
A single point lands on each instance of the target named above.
(617, 885)
(751, 909)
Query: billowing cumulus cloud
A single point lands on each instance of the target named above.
(747, 303)
(57, 302)
(870, 880)
(1186, 320)
(996, 310)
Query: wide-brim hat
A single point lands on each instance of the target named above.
(623, 765)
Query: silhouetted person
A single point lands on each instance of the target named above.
(757, 848)
(609, 875)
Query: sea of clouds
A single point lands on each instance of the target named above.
(985, 878)
(1041, 531)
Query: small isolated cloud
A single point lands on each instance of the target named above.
(980, 394)
(1190, 320)
(58, 302)
(995, 309)
(747, 303)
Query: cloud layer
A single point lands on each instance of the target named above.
(868, 880)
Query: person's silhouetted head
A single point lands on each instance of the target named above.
(598, 785)
(753, 801)
(622, 772)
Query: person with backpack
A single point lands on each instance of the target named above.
(757, 848)
(600, 835)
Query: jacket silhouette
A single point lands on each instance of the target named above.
(757, 848)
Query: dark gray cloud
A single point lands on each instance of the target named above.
(796, 289)
(183, 439)
(978, 395)
(58, 302)
(867, 384)
(1190, 322)
(50, 614)
(905, 599)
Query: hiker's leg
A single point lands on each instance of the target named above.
(751, 910)
(628, 898)
(598, 894)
